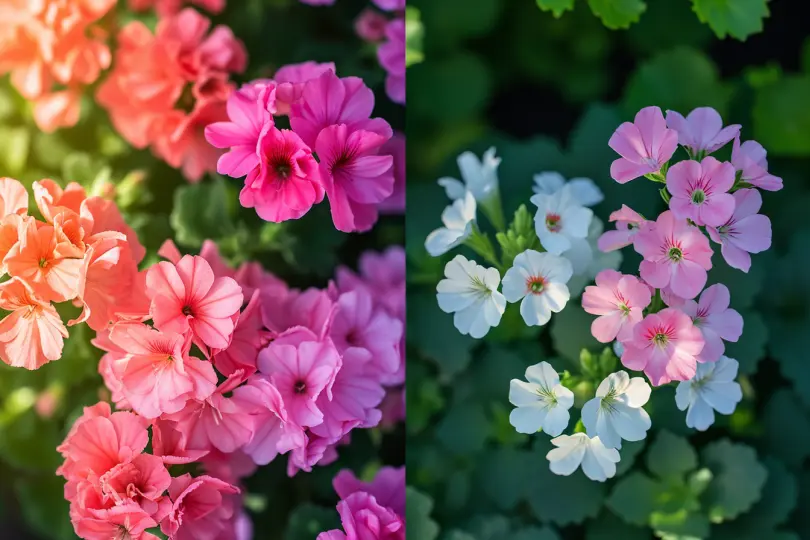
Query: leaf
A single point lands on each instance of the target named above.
(418, 509)
(781, 121)
(618, 14)
(787, 428)
(423, 400)
(608, 527)
(670, 455)
(556, 7)
(681, 525)
(535, 533)
(738, 479)
(630, 450)
(414, 35)
(200, 212)
(464, 429)
(501, 476)
(571, 332)
(633, 498)
(308, 520)
(737, 18)
(666, 25)
(14, 147)
(44, 507)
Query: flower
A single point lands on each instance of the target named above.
(199, 508)
(362, 517)
(471, 293)
(170, 7)
(128, 521)
(395, 203)
(702, 130)
(598, 462)
(13, 197)
(619, 300)
(538, 280)
(541, 403)
(458, 220)
(750, 158)
(587, 259)
(700, 191)
(665, 345)
(583, 190)
(370, 25)
(559, 220)
(675, 254)
(480, 177)
(645, 145)
(745, 232)
(628, 222)
(715, 320)
(248, 338)
(616, 412)
(711, 389)
(388, 487)
(390, 5)
(391, 55)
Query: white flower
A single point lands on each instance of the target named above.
(538, 279)
(471, 292)
(598, 462)
(616, 412)
(541, 403)
(713, 388)
(588, 260)
(458, 219)
(559, 220)
(584, 190)
(479, 176)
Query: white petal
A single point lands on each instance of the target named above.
(565, 459)
(453, 188)
(556, 420)
(466, 318)
(723, 397)
(555, 243)
(459, 213)
(576, 220)
(630, 423)
(590, 414)
(599, 462)
(637, 392)
(494, 308)
(548, 183)
(534, 310)
(443, 240)
(606, 430)
(492, 278)
(585, 191)
(528, 419)
(683, 394)
(460, 269)
(615, 381)
(453, 302)
(725, 369)
(544, 375)
(580, 255)
(700, 415)
(565, 397)
(522, 393)
(514, 284)
(556, 295)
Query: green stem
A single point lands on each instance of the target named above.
(657, 303)
(480, 243)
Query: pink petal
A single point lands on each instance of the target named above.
(688, 279)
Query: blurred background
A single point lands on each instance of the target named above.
(547, 93)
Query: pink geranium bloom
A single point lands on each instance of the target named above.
(142, 480)
(286, 183)
(383, 274)
(209, 251)
(628, 222)
(32, 334)
(619, 301)
(291, 80)
(395, 203)
(645, 145)
(702, 130)
(390, 5)
(13, 197)
(165, 8)
(388, 487)
(751, 159)
(715, 320)
(370, 25)
(125, 522)
(186, 296)
(10, 226)
(745, 232)
(249, 337)
(700, 191)
(312, 309)
(363, 518)
(391, 55)
(665, 345)
(315, 450)
(170, 443)
(200, 509)
(355, 175)
(675, 253)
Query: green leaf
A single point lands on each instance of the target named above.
(738, 479)
(418, 509)
(14, 147)
(200, 212)
(670, 456)
(618, 14)
(519, 237)
(781, 120)
(44, 507)
(501, 476)
(556, 7)
(414, 35)
(787, 428)
(609, 527)
(737, 18)
(423, 400)
(750, 348)
(629, 451)
(308, 520)
(535, 533)
(464, 429)
(634, 498)
(681, 525)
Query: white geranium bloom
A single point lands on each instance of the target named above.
(713, 388)
(458, 219)
(616, 412)
(539, 281)
(588, 260)
(479, 176)
(584, 190)
(542, 403)
(598, 462)
(559, 220)
(471, 292)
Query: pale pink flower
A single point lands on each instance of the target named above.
(200, 508)
(645, 145)
(675, 253)
(751, 159)
(395, 203)
(715, 320)
(628, 222)
(370, 25)
(127, 521)
(619, 300)
(665, 345)
(186, 296)
(745, 232)
(391, 55)
(291, 80)
(388, 487)
(142, 480)
(383, 274)
(283, 309)
(702, 130)
(700, 191)
(363, 518)
(13, 197)
(249, 337)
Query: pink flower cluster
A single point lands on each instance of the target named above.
(389, 36)
(83, 252)
(165, 8)
(663, 330)
(330, 117)
(373, 510)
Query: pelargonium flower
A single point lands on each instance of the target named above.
(598, 462)
(370, 25)
(470, 291)
(628, 222)
(458, 219)
(391, 55)
(617, 412)
(745, 232)
(675, 254)
(559, 220)
(541, 403)
(170, 7)
(127, 520)
(383, 274)
(388, 487)
(645, 145)
(715, 320)
(665, 345)
(478, 176)
(750, 158)
(363, 517)
(584, 191)
(13, 197)
(291, 79)
(713, 388)
(199, 510)
(395, 203)
(700, 191)
(538, 280)
(588, 260)
(702, 130)
(619, 300)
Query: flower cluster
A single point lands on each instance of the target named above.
(82, 251)
(53, 49)
(330, 118)
(165, 8)
(544, 262)
(166, 87)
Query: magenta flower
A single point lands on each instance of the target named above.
(745, 232)
(750, 158)
(395, 203)
(390, 5)
(391, 55)
(645, 145)
(619, 300)
(665, 346)
(364, 519)
(702, 130)
(388, 487)
(370, 25)
(675, 253)
(700, 191)
(628, 222)
(715, 320)
(291, 79)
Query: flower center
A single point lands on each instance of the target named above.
(123, 533)
(661, 340)
(283, 169)
(625, 309)
(43, 262)
(535, 284)
(698, 196)
(479, 284)
(352, 339)
(547, 395)
(300, 387)
(553, 222)
(675, 254)
(187, 311)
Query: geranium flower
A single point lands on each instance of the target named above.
(559, 220)
(745, 232)
(702, 130)
(13, 197)
(541, 403)
(199, 508)
(458, 219)
(470, 291)
(750, 158)
(584, 191)
(715, 320)
(391, 55)
(713, 388)
(478, 176)
(619, 300)
(127, 520)
(700, 191)
(645, 145)
(628, 222)
(538, 280)
(388, 487)
(363, 517)
(616, 412)
(598, 462)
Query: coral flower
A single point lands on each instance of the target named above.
(700, 191)
(51, 199)
(10, 226)
(198, 510)
(125, 522)
(745, 232)
(619, 300)
(645, 145)
(142, 480)
(13, 197)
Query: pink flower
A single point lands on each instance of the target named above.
(751, 159)
(287, 182)
(187, 297)
(142, 480)
(383, 274)
(395, 203)
(675, 253)
(388, 487)
(702, 130)
(249, 337)
(390, 5)
(170, 444)
(745, 232)
(619, 301)
(364, 519)
(165, 8)
(13, 197)
(291, 80)
(127, 521)
(356, 177)
(312, 309)
(370, 25)
(645, 145)
(200, 509)
(230, 467)
(628, 222)
(715, 320)
(700, 191)
(391, 55)
(665, 346)
(102, 215)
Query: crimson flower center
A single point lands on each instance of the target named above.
(536, 284)
(553, 222)
(661, 339)
(187, 311)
